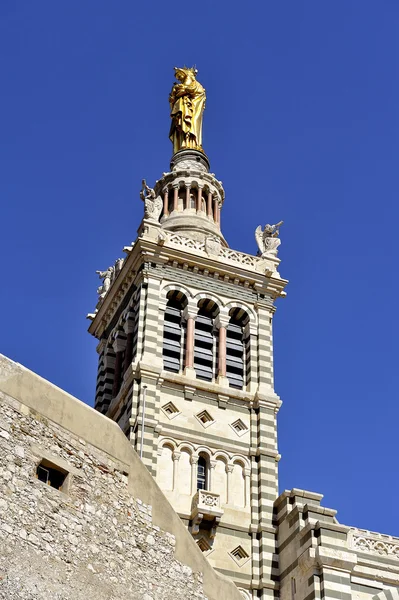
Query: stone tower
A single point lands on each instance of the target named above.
(185, 368)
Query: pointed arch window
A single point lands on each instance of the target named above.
(174, 332)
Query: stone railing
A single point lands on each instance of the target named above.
(205, 506)
(240, 257)
(374, 543)
(203, 500)
(255, 262)
(180, 240)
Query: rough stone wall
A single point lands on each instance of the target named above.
(96, 538)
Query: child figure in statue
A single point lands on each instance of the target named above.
(187, 103)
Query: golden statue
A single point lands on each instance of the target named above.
(187, 103)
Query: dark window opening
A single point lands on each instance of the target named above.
(202, 474)
(204, 346)
(237, 350)
(173, 336)
(50, 474)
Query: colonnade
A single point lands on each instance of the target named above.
(229, 495)
(205, 200)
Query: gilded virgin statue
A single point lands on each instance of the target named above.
(187, 103)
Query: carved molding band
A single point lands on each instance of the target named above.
(374, 543)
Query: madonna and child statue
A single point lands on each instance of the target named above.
(187, 103)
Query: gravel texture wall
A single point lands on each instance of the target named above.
(97, 537)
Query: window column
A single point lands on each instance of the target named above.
(199, 198)
(119, 347)
(190, 314)
(209, 204)
(194, 463)
(175, 457)
(165, 203)
(229, 469)
(175, 197)
(221, 323)
(188, 189)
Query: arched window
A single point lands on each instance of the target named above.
(202, 473)
(174, 332)
(205, 341)
(237, 348)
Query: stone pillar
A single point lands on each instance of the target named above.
(247, 487)
(128, 328)
(175, 457)
(199, 198)
(188, 189)
(190, 313)
(119, 346)
(229, 469)
(215, 210)
(166, 203)
(209, 204)
(175, 196)
(212, 467)
(221, 322)
(194, 463)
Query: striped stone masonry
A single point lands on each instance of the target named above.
(317, 557)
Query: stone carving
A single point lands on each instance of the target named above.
(268, 240)
(232, 255)
(187, 242)
(365, 541)
(210, 500)
(212, 245)
(152, 203)
(204, 498)
(108, 277)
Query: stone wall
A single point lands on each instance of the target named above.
(108, 532)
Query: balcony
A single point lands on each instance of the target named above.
(205, 506)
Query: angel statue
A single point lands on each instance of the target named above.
(107, 277)
(268, 240)
(152, 203)
(187, 103)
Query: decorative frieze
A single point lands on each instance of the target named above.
(374, 543)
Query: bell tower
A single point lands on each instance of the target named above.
(184, 325)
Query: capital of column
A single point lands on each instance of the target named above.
(194, 460)
(229, 468)
(176, 455)
(190, 312)
(119, 343)
(128, 326)
(212, 464)
(221, 320)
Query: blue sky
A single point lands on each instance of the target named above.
(301, 124)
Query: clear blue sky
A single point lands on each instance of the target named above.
(301, 124)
